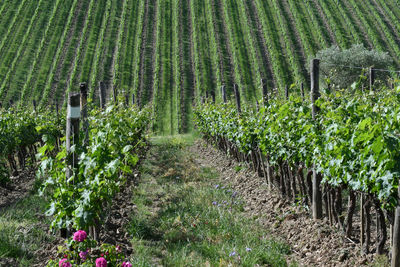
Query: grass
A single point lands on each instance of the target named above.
(21, 233)
(185, 217)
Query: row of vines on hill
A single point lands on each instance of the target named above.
(351, 147)
(169, 53)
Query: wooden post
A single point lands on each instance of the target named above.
(213, 96)
(371, 79)
(56, 104)
(127, 99)
(287, 92)
(317, 196)
(302, 91)
(396, 235)
(237, 97)
(72, 131)
(223, 94)
(102, 94)
(264, 90)
(115, 94)
(362, 219)
(85, 122)
(72, 138)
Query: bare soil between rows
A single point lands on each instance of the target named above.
(313, 243)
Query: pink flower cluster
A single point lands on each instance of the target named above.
(126, 264)
(80, 236)
(101, 262)
(64, 263)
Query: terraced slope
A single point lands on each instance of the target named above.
(168, 53)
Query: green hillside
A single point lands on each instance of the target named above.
(168, 52)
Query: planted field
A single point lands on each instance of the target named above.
(170, 53)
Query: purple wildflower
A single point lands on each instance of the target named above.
(233, 253)
(83, 254)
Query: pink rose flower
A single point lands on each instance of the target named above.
(126, 264)
(101, 262)
(64, 263)
(80, 235)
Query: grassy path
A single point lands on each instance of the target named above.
(181, 213)
(184, 218)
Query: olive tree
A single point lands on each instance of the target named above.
(341, 68)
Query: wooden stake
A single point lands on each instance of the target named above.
(237, 97)
(287, 92)
(362, 220)
(127, 99)
(72, 131)
(317, 196)
(102, 94)
(56, 109)
(223, 94)
(265, 91)
(396, 236)
(213, 96)
(84, 95)
(72, 138)
(115, 94)
(371, 79)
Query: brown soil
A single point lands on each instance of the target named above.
(313, 243)
(17, 188)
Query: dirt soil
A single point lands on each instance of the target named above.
(17, 188)
(313, 243)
